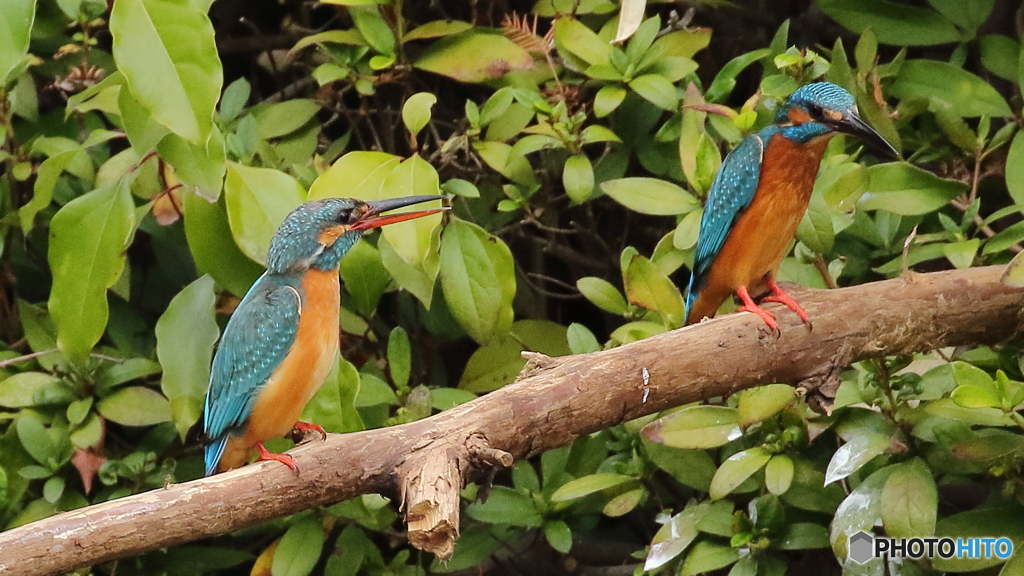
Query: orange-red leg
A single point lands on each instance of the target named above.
(779, 295)
(282, 458)
(305, 427)
(750, 306)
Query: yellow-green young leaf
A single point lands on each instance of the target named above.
(608, 99)
(578, 178)
(948, 85)
(685, 235)
(185, 335)
(16, 22)
(909, 501)
(650, 196)
(757, 404)
(135, 406)
(418, 279)
(478, 280)
(88, 238)
(36, 440)
(684, 43)
(736, 469)
(365, 278)
(1014, 273)
(674, 536)
(412, 239)
(603, 294)
(282, 118)
(815, 229)
(493, 365)
(586, 485)
(581, 339)
(355, 175)
(573, 36)
(961, 254)
(213, 248)
(506, 161)
(649, 287)
(695, 427)
(166, 50)
(624, 503)
(257, 201)
(907, 190)
(474, 56)
(333, 405)
(416, 111)
(201, 165)
(706, 556)
(298, 551)
(778, 474)
(19, 390)
(657, 90)
(559, 535)
(460, 187)
(436, 29)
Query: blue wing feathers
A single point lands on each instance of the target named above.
(731, 194)
(256, 340)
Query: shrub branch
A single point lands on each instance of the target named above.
(425, 463)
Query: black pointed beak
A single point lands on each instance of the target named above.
(855, 126)
(371, 218)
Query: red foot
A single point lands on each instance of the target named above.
(750, 306)
(305, 427)
(780, 296)
(282, 458)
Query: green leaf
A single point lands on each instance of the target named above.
(413, 239)
(559, 535)
(1001, 56)
(19, 390)
(166, 50)
(573, 36)
(298, 551)
(656, 90)
(695, 427)
(801, 536)
(968, 14)
(474, 56)
(16, 19)
(1015, 169)
(961, 254)
(506, 506)
(257, 201)
(860, 510)
(506, 161)
(446, 398)
(851, 456)
(135, 406)
(706, 556)
(815, 229)
(1014, 273)
(436, 29)
(334, 404)
(478, 280)
(275, 120)
(624, 503)
(578, 178)
(650, 196)
(399, 357)
(416, 111)
(364, 277)
(185, 335)
(581, 340)
(892, 23)
(763, 402)
(371, 25)
(36, 440)
(608, 99)
(603, 294)
(213, 248)
(693, 468)
(200, 165)
(909, 501)
(460, 187)
(736, 469)
(674, 536)
(88, 238)
(418, 279)
(650, 288)
(725, 80)
(946, 85)
(355, 175)
(587, 485)
(493, 365)
(778, 474)
(907, 190)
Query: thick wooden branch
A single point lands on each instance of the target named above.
(555, 400)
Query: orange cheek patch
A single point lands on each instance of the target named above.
(798, 116)
(329, 236)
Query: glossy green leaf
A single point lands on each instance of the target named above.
(412, 240)
(624, 503)
(36, 440)
(964, 93)
(988, 445)
(357, 174)
(909, 501)
(891, 22)
(559, 535)
(608, 99)
(298, 551)
(257, 201)
(88, 238)
(135, 406)
(686, 42)
(416, 111)
(460, 187)
(276, 120)
(185, 335)
(578, 178)
(419, 279)
(200, 165)
(213, 248)
(778, 474)
(334, 404)
(19, 390)
(506, 161)
(506, 506)
(815, 229)
(474, 56)
(801, 536)
(986, 521)
(364, 277)
(573, 36)
(736, 469)
(493, 365)
(603, 294)
(478, 279)
(16, 19)
(907, 190)
(1015, 169)
(587, 485)
(855, 453)
(581, 340)
(706, 556)
(757, 404)
(374, 28)
(656, 90)
(166, 50)
(650, 196)
(696, 427)
(648, 287)
(674, 536)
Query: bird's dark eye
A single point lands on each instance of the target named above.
(343, 216)
(815, 111)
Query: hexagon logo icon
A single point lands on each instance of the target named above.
(860, 547)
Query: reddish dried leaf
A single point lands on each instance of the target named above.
(88, 464)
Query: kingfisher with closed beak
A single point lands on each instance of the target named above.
(280, 343)
(759, 197)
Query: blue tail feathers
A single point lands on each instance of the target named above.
(213, 452)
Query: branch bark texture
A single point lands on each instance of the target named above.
(425, 463)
